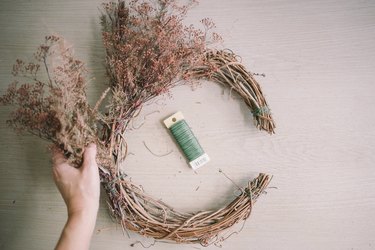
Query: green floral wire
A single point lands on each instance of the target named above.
(186, 140)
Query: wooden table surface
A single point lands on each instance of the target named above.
(319, 61)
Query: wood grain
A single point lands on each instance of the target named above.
(318, 58)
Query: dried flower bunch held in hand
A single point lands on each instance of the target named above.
(148, 51)
(49, 96)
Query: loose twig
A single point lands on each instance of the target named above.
(158, 155)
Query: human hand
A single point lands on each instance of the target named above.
(79, 187)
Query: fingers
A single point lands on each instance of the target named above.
(58, 157)
(89, 156)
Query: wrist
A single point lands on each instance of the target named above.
(82, 207)
(86, 219)
(83, 213)
(86, 214)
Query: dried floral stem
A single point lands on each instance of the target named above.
(103, 95)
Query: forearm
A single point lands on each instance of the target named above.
(77, 231)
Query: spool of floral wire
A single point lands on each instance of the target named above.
(186, 140)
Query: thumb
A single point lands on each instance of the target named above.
(89, 155)
(58, 157)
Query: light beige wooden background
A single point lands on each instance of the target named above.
(319, 61)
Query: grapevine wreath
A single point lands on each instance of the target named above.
(148, 51)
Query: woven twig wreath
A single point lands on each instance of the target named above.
(139, 212)
(128, 203)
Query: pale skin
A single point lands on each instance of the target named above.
(80, 189)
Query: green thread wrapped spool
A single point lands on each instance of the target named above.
(185, 138)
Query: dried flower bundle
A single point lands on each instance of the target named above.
(148, 51)
(50, 99)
